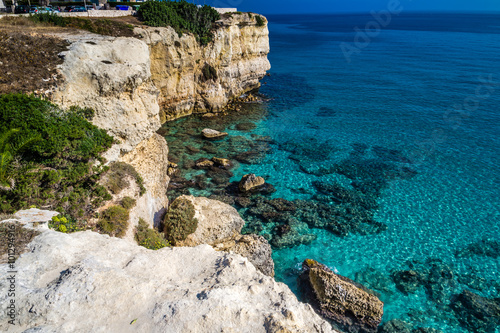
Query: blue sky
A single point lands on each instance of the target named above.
(361, 6)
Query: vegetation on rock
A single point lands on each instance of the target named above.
(260, 21)
(179, 221)
(208, 73)
(117, 177)
(25, 57)
(149, 238)
(58, 171)
(114, 221)
(16, 234)
(182, 16)
(65, 224)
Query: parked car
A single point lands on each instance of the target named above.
(78, 9)
(21, 9)
(33, 9)
(49, 10)
(68, 8)
(90, 7)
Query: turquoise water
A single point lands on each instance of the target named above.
(416, 115)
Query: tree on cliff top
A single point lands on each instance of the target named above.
(182, 16)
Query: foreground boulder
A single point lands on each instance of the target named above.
(219, 225)
(340, 299)
(217, 221)
(87, 282)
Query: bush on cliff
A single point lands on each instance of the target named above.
(58, 170)
(149, 238)
(182, 16)
(114, 221)
(260, 21)
(179, 221)
(118, 175)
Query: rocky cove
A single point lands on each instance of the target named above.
(219, 278)
(216, 279)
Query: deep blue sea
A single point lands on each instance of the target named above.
(419, 98)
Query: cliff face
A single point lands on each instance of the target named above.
(135, 84)
(238, 55)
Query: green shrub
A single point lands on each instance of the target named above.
(114, 221)
(128, 202)
(66, 224)
(260, 21)
(117, 177)
(182, 16)
(179, 221)
(149, 238)
(58, 171)
(208, 73)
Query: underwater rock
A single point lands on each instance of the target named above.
(250, 182)
(249, 157)
(426, 330)
(395, 326)
(408, 281)
(476, 313)
(243, 201)
(485, 247)
(246, 126)
(222, 198)
(282, 205)
(192, 150)
(440, 282)
(340, 299)
(208, 133)
(374, 279)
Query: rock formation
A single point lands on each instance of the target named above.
(238, 55)
(87, 282)
(217, 221)
(219, 225)
(340, 299)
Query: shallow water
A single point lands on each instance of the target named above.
(392, 114)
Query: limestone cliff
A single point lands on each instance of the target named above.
(238, 55)
(135, 84)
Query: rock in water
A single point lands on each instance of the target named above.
(88, 282)
(340, 299)
(250, 182)
(212, 134)
(222, 162)
(475, 313)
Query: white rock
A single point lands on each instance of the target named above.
(217, 221)
(87, 282)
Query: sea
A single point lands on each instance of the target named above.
(403, 110)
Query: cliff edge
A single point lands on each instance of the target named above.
(87, 282)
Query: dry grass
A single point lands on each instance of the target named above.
(27, 62)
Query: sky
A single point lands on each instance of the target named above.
(354, 6)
